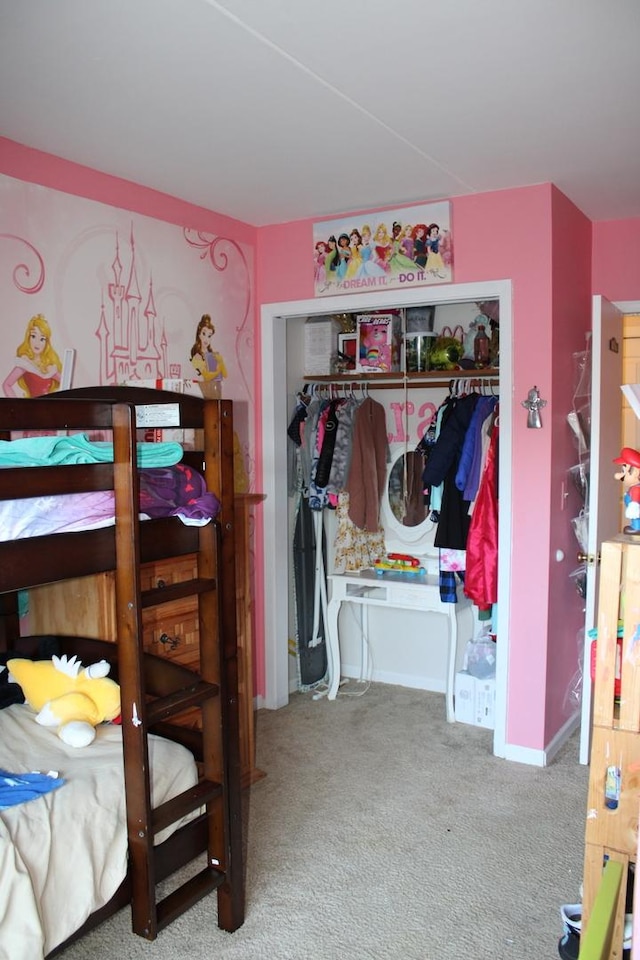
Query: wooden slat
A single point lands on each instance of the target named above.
(184, 803)
(187, 895)
(630, 601)
(608, 608)
(16, 483)
(614, 828)
(597, 940)
(177, 591)
(165, 707)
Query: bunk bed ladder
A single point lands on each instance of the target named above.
(212, 692)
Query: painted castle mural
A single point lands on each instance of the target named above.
(131, 347)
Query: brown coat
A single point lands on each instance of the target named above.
(368, 471)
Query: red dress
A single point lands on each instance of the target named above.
(39, 386)
(481, 577)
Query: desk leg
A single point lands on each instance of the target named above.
(333, 647)
(451, 662)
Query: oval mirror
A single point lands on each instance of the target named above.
(405, 490)
(407, 527)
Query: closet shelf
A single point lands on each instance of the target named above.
(392, 381)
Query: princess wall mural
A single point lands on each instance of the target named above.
(37, 369)
(127, 294)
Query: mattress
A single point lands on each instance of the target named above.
(64, 854)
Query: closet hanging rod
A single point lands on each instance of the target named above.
(444, 378)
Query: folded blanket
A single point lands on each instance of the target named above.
(77, 448)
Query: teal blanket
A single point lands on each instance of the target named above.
(77, 448)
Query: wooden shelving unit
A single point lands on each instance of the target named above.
(611, 831)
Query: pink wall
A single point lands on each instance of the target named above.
(571, 319)
(616, 259)
(24, 163)
(502, 235)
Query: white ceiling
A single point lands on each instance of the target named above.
(275, 110)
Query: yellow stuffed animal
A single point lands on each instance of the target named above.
(67, 696)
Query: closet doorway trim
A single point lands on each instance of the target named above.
(275, 318)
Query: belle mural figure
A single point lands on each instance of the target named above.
(38, 367)
(207, 361)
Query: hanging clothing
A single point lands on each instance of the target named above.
(310, 616)
(471, 461)
(442, 465)
(481, 581)
(355, 549)
(368, 471)
(414, 505)
(325, 455)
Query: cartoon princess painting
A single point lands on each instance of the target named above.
(382, 247)
(435, 263)
(207, 362)
(38, 368)
(319, 259)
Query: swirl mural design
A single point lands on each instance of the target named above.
(24, 269)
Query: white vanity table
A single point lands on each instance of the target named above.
(392, 590)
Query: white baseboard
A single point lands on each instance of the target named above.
(432, 684)
(542, 758)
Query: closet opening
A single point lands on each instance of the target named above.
(282, 376)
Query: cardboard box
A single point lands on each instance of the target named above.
(464, 692)
(379, 338)
(485, 703)
(475, 700)
(320, 346)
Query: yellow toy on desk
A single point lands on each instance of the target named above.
(399, 563)
(68, 696)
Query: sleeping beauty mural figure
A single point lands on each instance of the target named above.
(38, 368)
(207, 361)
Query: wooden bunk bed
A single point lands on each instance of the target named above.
(158, 696)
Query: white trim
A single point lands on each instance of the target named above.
(542, 758)
(274, 318)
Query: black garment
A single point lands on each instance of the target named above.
(442, 466)
(299, 415)
(325, 457)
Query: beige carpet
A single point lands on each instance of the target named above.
(383, 832)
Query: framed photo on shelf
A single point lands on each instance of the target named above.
(347, 351)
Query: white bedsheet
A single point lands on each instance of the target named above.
(64, 855)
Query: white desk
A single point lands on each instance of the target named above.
(399, 590)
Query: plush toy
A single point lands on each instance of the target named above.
(67, 696)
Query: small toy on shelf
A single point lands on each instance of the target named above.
(629, 474)
(399, 563)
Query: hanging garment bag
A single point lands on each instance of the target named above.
(310, 620)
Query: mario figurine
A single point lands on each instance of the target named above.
(629, 473)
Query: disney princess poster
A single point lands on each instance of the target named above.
(409, 247)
